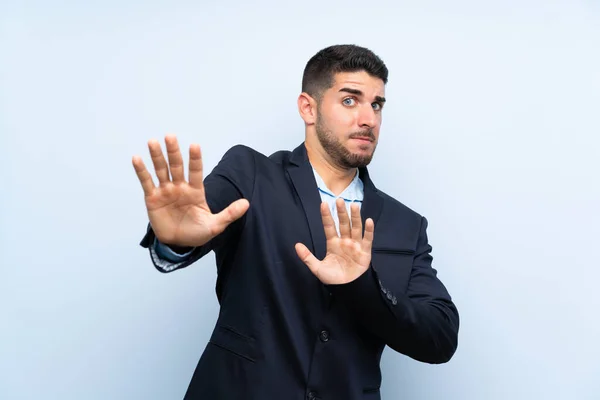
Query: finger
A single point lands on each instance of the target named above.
(308, 258)
(356, 222)
(343, 218)
(328, 223)
(367, 242)
(195, 168)
(143, 175)
(232, 213)
(175, 159)
(158, 159)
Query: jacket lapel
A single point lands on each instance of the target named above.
(372, 201)
(303, 179)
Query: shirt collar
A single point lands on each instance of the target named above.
(354, 191)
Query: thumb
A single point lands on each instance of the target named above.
(308, 258)
(233, 212)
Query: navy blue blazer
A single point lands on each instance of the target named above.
(281, 333)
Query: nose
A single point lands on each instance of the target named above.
(367, 117)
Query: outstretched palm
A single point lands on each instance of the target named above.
(178, 211)
(348, 254)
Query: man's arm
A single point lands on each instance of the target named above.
(421, 323)
(231, 180)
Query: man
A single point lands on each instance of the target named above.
(318, 270)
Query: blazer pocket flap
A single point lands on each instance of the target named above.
(393, 268)
(235, 342)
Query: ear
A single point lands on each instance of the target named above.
(307, 107)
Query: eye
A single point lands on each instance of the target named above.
(376, 106)
(348, 101)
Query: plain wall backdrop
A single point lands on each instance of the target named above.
(491, 131)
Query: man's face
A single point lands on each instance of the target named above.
(349, 118)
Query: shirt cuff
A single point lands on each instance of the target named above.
(166, 253)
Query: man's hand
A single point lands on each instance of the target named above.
(178, 211)
(349, 254)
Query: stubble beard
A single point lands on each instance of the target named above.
(338, 153)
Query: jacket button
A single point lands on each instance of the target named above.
(312, 395)
(324, 336)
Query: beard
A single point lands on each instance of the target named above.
(340, 155)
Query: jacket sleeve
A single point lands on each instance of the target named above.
(232, 179)
(420, 321)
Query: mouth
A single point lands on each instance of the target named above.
(363, 139)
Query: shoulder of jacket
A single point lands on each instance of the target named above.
(398, 207)
(241, 150)
(280, 156)
(246, 151)
(244, 156)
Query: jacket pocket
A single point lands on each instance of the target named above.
(393, 267)
(229, 339)
(371, 393)
(390, 250)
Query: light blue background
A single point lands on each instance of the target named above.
(491, 131)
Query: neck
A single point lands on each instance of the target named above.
(335, 177)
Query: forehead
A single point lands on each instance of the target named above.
(368, 84)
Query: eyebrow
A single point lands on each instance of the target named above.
(359, 93)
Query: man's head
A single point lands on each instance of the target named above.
(343, 91)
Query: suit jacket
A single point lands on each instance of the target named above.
(281, 333)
